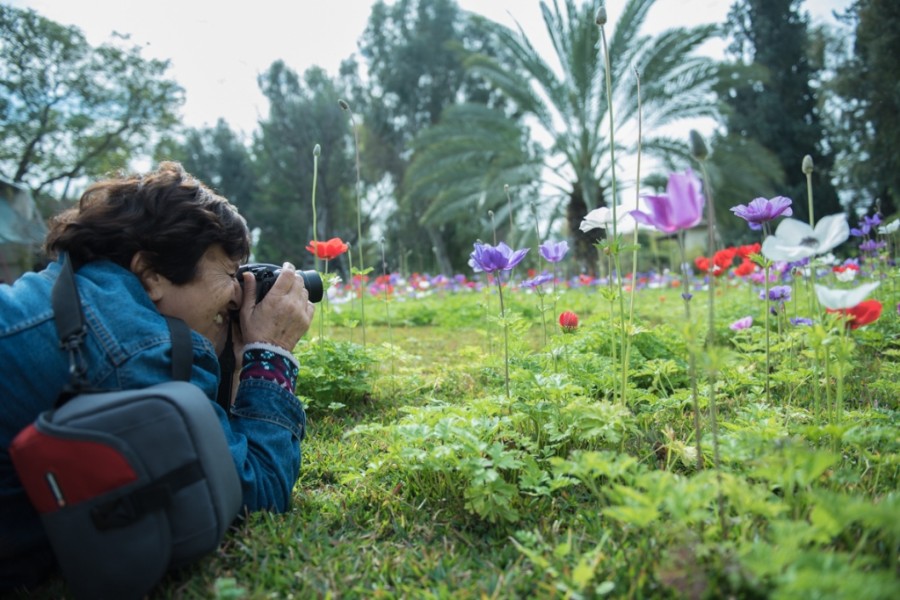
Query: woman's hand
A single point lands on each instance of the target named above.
(282, 317)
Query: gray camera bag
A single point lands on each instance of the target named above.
(130, 483)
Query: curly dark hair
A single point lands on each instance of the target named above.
(168, 215)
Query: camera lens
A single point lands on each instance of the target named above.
(266, 275)
(313, 283)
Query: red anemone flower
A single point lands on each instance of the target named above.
(747, 267)
(328, 250)
(862, 314)
(724, 258)
(705, 265)
(746, 251)
(568, 321)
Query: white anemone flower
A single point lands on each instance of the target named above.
(838, 299)
(795, 240)
(890, 227)
(602, 218)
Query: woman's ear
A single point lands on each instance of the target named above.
(154, 284)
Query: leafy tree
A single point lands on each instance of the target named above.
(565, 107)
(303, 113)
(70, 110)
(773, 102)
(219, 158)
(415, 52)
(870, 105)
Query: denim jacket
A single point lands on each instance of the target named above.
(127, 346)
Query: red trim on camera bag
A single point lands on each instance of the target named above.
(53, 473)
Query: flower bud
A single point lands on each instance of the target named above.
(808, 166)
(601, 16)
(317, 150)
(568, 321)
(343, 104)
(698, 146)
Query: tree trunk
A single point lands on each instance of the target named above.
(583, 251)
(440, 250)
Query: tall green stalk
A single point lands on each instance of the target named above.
(362, 297)
(626, 362)
(808, 167)
(505, 332)
(692, 358)
(387, 307)
(317, 150)
(614, 247)
(352, 290)
(700, 152)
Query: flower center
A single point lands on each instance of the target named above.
(809, 242)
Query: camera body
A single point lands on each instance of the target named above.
(266, 274)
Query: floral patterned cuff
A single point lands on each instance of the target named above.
(265, 361)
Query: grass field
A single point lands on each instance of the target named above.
(421, 478)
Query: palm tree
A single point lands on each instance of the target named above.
(556, 136)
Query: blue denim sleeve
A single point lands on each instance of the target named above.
(264, 432)
(264, 429)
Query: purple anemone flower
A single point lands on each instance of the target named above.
(866, 226)
(489, 258)
(778, 293)
(797, 321)
(681, 207)
(554, 251)
(760, 210)
(871, 246)
(741, 324)
(537, 281)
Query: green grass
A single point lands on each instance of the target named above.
(420, 479)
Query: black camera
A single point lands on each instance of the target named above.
(266, 275)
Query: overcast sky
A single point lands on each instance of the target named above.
(218, 48)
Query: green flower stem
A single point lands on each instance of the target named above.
(692, 359)
(711, 230)
(829, 401)
(766, 320)
(359, 238)
(324, 305)
(613, 196)
(352, 289)
(626, 362)
(505, 333)
(315, 227)
(487, 323)
(623, 338)
(612, 132)
(387, 308)
(540, 294)
(809, 197)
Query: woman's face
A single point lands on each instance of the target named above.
(204, 303)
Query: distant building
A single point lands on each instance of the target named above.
(22, 231)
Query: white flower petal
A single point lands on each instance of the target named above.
(793, 232)
(838, 299)
(831, 231)
(890, 227)
(775, 248)
(599, 218)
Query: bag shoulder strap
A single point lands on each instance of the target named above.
(182, 349)
(70, 328)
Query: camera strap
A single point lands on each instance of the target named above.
(71, 329)
(227, 365)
